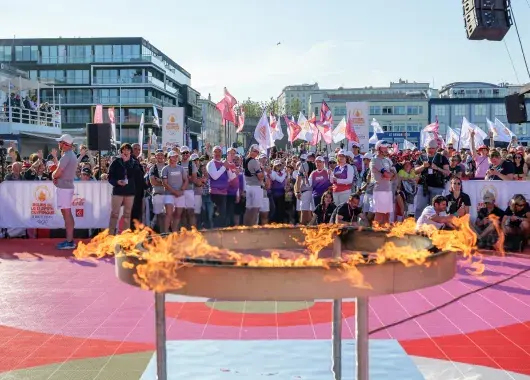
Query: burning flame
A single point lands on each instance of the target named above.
(161, 256)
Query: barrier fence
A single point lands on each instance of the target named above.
(25, 204)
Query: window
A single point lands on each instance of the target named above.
(413, 127)
(33, 74)
(519, 129)
(398, 127)
(76, 116)
(130, 52)
(106, 96)
(316, 111)
(78, 96)
(5, 54)
(480, 109)
(439, 110)
(400, 110)
(414, 110)
(26, 53)
(499, 110)
(387, 110)
(459, 110)
(107, 76)
(79, 53)
(77, 77)
(56, 76)
(375, 110)
(340, 111)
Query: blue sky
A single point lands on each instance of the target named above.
(335, 43)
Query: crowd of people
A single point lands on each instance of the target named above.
(168, 190)
(26, 109)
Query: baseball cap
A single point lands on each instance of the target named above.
(67, 139)
(355, 144)
(194, 157)
(341, 153)
(254, 147)
(262, 156)
(184, 149)
(217, 147)
(432, 144)
(483, 147)
(320, 158)
(488, 197)
(277, 162)
(367, 156)
(172, 154)
(303, 156)
(349, 154)
(381, 144)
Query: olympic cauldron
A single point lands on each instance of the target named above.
(227, 280)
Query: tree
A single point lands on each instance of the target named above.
(294, 107)
(252, 108)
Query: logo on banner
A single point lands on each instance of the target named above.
(357, 117)
(42, 207)
(78, 204)
(486, 189)
(172, 126)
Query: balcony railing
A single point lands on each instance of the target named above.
(113, 100)
(126, 120)
(27, 116)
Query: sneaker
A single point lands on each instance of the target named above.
(66, 245)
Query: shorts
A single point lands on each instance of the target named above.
(306, 201)
(254, 197)
(189, 198)
(265, 205)
(198, 204)
(383, 202)
(158, 204)
(178, 202)
(64, 198)
(341, 197)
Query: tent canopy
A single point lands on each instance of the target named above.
(20, 84)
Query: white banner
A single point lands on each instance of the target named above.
(32, 204)
(502, 190)
(172, 127)
(358, 116)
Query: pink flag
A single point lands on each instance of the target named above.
(240, 119)
(294, 129)
(111, 115)
(326, 117)
(98, 114)
(326, 132)
(227, 112)
(230, 99)
(316, 134)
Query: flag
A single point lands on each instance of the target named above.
(430, 132)
(395, 148)
(465, 135)
(227, 112)
(433, 127)
(230, 100)
(326, 132)
(154, 140)
(112, 123)
(156, 120)
(499, 130)
(408, 145)
(98, 114)
(339, 133)
(262, 134)
(141, 132)
(240, 119)
(293, 129)
(377, 130)
(326, 117)
(351, 134)
(452, 136)
(316, 134)
(276, 128)
(306, 132)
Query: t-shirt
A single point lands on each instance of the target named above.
(348, 212)
(455, 170)
(68, 166)
(436, 179)
(453, 204)
(484, 213)
(324, 214)
(157, 173)
(253, 167)
(186, 166)
(519, 213)
(482, 165)
(376, 166)
(426, 215)
(506, 167)
(175, 176)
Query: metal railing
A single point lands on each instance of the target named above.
(27, 116)
(109, 100)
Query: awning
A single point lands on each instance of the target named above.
(39, 135)
(20, 84)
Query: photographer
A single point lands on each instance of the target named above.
(433, 169)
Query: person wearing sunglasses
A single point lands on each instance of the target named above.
(458, 202)
(516, 223)
(520, 168)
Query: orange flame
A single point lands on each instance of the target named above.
(162, 256)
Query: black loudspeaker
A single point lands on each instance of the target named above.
(98, 136)
(487, 19)
(515, 109)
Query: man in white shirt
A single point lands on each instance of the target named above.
(435, 215)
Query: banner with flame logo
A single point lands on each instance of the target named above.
(503, 191)
(172, 127)
(358, 118)
(33, 205)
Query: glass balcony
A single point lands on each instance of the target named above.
(106, 80)
(109, 100)
(26, 116)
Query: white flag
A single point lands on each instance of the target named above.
(156, 120)
(306, 133)
(452, 136)
(141, 133)
(339, 133)
(276, 128)
(465, 135)
(408, 145)
(500, 131)
(262, 134)
(377, 129)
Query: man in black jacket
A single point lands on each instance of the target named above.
(140, 186)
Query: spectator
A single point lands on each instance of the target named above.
(435, 215)
(499, 170)
(516, 223)
(120, 173)
(484, 224)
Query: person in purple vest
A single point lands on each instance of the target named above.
(220, 174)
(232, 195)
(278, 177)
(357, 157)
(342, 179)
(319, 181)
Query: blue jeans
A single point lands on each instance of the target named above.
(207, 212)
(423, 201)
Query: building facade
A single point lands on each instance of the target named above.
(296, 98)
(128, 74)
(402, 109)
(212, 123)
(476, 101)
